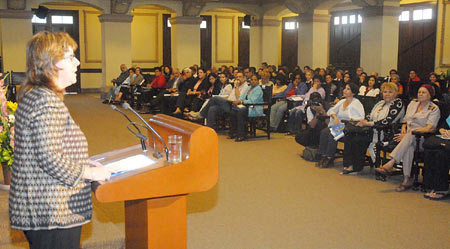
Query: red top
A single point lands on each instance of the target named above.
(159, 82)
(291, 92)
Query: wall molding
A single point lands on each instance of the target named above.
(115, 18)
(16, 14)
(86, 56)
(445, 4)
(233, 29)
(156, 35)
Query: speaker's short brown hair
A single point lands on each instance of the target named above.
(43, 51)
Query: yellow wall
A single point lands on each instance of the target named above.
(225, 44)
(443, 38)
(146, 37)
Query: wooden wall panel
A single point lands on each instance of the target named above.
(92, 37)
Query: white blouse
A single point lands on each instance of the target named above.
(372, 92)
(354, 111)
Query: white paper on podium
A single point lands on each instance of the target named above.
(130, 163)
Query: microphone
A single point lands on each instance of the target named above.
(156, 153)
(138, 133)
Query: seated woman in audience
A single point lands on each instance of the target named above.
(280, 84)
(225, 90)
(279, 108)
(124, 88)
(390, 110)
(437, 161)
(433, 81)
(194, 91)
(370, 90)
(347, 109)
(214, 89)
(315, 108)
(296, 114)
(167, 71)
(239, 113)
(265, 78)
(422, 115)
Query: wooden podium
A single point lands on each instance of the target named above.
(155, 195)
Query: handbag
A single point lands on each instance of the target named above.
(352, 128)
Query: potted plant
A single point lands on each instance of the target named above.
(7, 110)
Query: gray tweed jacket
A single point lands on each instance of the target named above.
(47, 190)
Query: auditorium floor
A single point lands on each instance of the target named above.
(266, 197)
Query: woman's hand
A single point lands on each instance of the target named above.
(237, 102)
(399, 136)
(363, 123)
(445, 133)
(335, 121)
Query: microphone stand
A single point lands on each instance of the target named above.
(156, 153)
(138, 134)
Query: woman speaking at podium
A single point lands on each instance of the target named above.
(50, 194)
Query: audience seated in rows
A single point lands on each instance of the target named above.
(279, 108)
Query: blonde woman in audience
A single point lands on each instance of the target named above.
(388, 111)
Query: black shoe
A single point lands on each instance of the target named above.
(231, 136)
(106, 101)
(320, 162)
(240, 139)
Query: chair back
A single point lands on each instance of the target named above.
(267, 94)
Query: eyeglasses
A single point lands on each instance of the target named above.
(70, 57)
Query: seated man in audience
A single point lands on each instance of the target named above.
(413, 85)
(114, 90)
(158, 83)
(314, 109)
(218, 105)
(296, 114)
(174, 82)
(168, 103)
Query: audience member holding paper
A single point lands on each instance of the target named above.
(280, 107)
(347, 109)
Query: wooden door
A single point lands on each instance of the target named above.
(206, 43)
(345, 40)
(244, 44)
(289, 42)
(167, 38)
(417, 40)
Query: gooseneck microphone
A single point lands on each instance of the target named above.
(156, 153)
(138, 134)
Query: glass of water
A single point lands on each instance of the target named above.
(175, 143)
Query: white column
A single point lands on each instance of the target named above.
(116, 45)
(314, 40)
(379, 38)
(16, 31)
(270, 41)
(185, 41)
